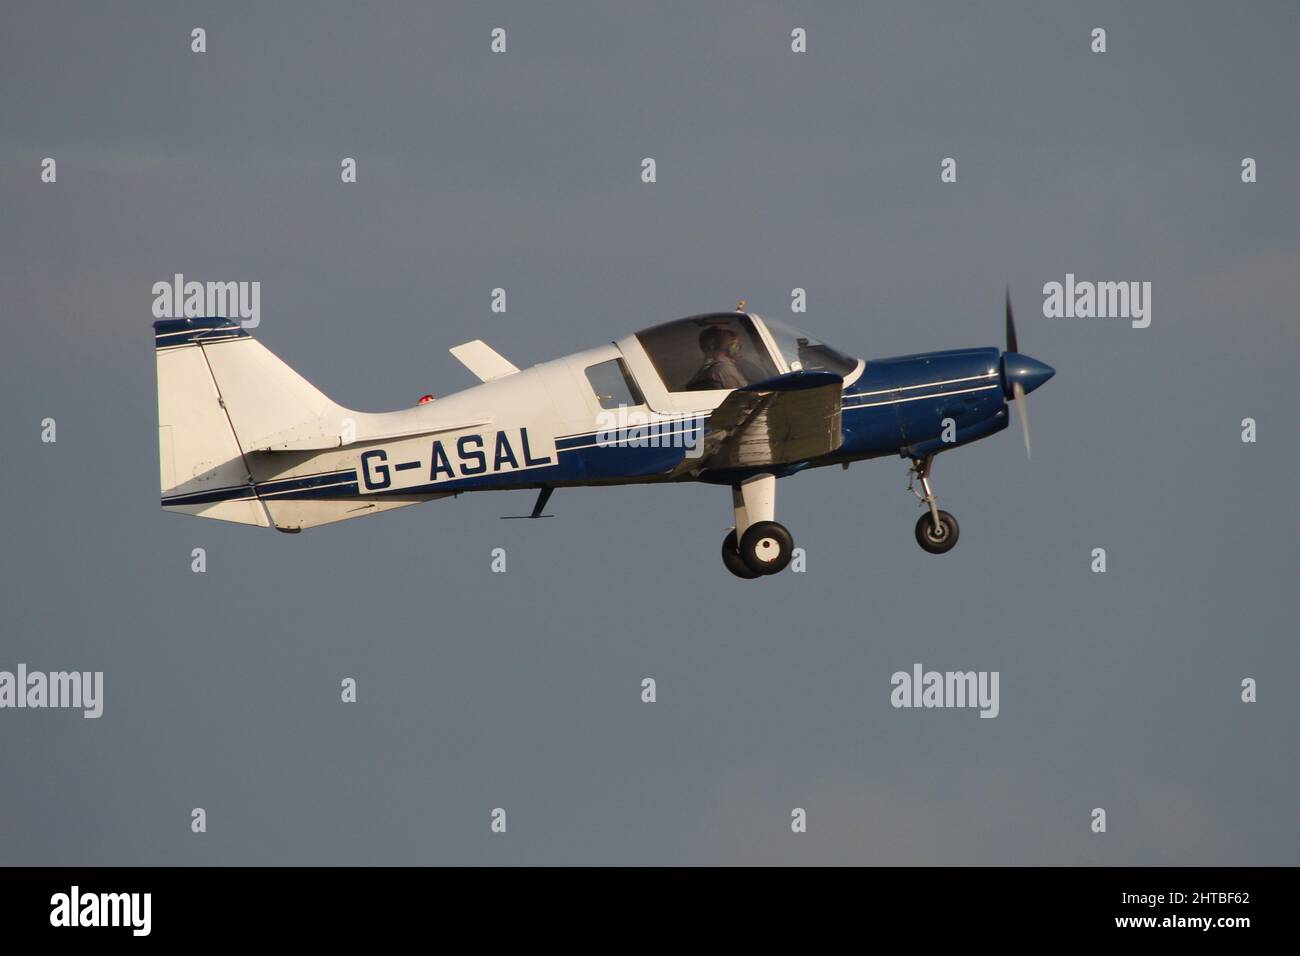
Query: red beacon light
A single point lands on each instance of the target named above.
(425, 400)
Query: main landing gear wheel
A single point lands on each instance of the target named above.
(731, 558)
(940, 540)
(763, 547)
(766, 547)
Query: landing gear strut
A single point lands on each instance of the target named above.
(936, 531)
(758, 545)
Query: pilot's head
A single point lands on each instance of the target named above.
(717, 341)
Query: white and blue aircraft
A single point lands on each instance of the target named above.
(726, 398)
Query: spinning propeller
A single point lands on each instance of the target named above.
(1021, 374)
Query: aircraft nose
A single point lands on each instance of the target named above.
(1028, 372)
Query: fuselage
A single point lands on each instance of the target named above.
(636, 410)
(893, 406)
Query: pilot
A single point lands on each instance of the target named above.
(721, 348)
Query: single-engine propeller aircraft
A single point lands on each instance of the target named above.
(727, 398)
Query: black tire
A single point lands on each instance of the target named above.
(766, 547)
(937, 543)
(731, 558)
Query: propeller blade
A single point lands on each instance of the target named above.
(1022, 412)
(1012, 344)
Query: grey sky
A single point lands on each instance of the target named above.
(775, 170)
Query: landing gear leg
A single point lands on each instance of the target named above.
(936, 531)
(758, 545)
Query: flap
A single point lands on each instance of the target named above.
(483, 360)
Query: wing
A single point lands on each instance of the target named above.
(784, 419)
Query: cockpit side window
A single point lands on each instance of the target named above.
(708, 353)
(613, 385)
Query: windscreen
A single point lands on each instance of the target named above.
(803, 351)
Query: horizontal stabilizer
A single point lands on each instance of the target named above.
(483, 360)
(318, 439)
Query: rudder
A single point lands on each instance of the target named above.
(202, 470)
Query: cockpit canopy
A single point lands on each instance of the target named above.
(693, 354)
(724, 350)
(804, 352)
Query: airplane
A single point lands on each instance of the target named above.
(724, 398)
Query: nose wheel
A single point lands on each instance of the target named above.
(936, 531)
(759, 545)
(937, 540)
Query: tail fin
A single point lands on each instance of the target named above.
(222, 396)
